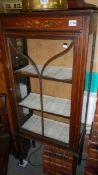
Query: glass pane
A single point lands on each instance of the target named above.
(87, 87)
(42, 71)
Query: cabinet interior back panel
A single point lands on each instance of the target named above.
(52, 88)
(53, 117)
(41, 50)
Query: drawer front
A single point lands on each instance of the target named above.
(92, 166)
(56, 160)
(65, 23)
(93, 153)
(93, 144)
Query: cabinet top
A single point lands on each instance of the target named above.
(52, 12)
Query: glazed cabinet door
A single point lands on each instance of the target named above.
(46, 85)
(42, 74)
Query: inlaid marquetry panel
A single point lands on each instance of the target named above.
(65, 23)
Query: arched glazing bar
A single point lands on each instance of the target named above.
(41, 74)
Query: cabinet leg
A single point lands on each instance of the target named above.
(80, 154)
(74, 166)
(21, 160)
(22, 152)
(33, 143)
(20, 148)
(81, 151)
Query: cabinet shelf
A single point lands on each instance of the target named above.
(52, 129)
(53, 105)
(50, 72)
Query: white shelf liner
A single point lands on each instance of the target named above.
(52, 129)
(50, 71)
(51, 104)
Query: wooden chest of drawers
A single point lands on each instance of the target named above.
(57, 161)
(92, 160)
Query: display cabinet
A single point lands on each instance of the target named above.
(46, 55)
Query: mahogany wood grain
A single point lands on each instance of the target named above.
(80, 4)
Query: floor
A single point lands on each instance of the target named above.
(34, 166)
